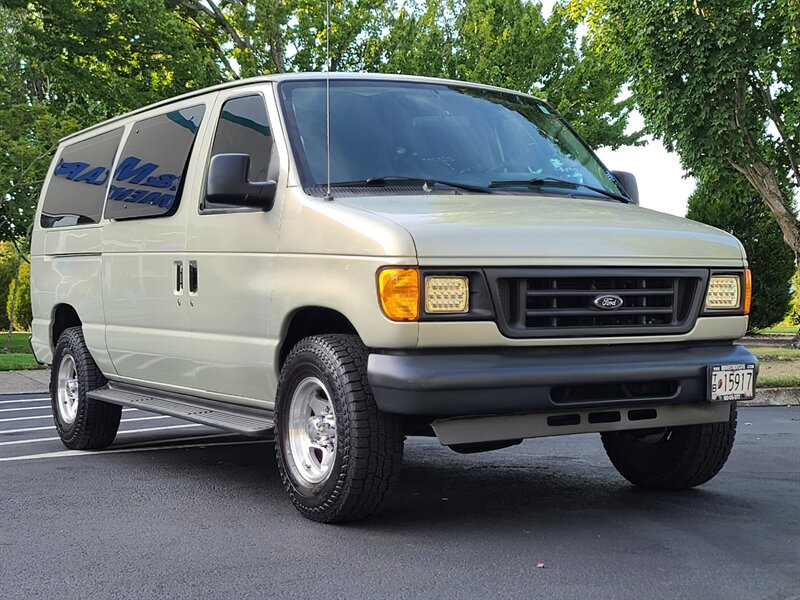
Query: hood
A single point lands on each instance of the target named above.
(554, 230)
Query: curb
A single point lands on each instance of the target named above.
(788, 396)
(32, 381)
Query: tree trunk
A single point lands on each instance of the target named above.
(761, 177)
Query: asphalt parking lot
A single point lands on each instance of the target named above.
(176, 510)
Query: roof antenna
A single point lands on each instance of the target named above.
(328, 195)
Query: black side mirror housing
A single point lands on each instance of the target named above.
(628, 182)
(227, 183)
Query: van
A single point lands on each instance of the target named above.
(341, 261)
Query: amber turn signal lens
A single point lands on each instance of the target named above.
(748, 290)
(398, 290)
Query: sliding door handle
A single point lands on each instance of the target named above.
(178, 276)
(192, 276)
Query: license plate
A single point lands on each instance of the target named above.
(731, 382)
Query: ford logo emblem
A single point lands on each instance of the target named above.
(608, 302)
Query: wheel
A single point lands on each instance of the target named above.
(337, 454)
(673, 458)
(82, 423)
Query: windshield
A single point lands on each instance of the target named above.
(388, 132)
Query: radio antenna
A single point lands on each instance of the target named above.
(328, 195)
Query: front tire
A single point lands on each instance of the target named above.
(82, 423)
(674, 458)
(337, 454)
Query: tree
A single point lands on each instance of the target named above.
(731, 204)
(717, 80)
(20, 308)
(8, 269)
(94, 59)
(794, 311)
(29, 132)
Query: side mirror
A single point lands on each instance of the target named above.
(227, 183)
(628, 182)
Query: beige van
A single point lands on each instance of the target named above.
(435, 258)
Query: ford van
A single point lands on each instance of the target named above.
(340, 262)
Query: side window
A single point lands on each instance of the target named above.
(79, 182)
(148, 179)
(243, 128)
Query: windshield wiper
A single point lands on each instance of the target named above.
(538, 182)
(399, 180)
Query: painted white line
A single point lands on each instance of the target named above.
(25, 430)
(50, 416)
(26, 400)
(15, 442)
(67, 453)
(24, 408)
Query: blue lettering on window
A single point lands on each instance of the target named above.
(96, 176)
(70, 170)
(127, 169)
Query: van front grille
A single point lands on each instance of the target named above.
(570, 302)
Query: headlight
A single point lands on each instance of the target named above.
(446, 294)
(724, 292)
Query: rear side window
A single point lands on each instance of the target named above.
(243, 128)
(148, 179)
(80, 179)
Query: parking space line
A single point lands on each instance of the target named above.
(27, 429)
(50, 416)
(25, 408)
(67, 453)
(51, 439)
(26, 400)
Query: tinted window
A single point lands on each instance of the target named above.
(79, 182)
(430, 131)
(148, 179)
(243, 128)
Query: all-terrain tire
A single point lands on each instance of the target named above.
(95, 423)
(676, 458)
(369, 443)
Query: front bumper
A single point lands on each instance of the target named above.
(462, 383)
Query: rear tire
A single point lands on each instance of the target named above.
(338, 455)
(674, 458)
(82, 423)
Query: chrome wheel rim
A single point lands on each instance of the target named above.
(311, 432)
(68, 389)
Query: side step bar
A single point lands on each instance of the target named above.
(241, 419)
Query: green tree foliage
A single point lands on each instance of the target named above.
(99, 58)
(732, 204)
(794, 311)
(29, 131)
(24, 312)
(717, 80)
(8, 267)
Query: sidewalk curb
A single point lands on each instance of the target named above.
(788, 396)
(33, 381)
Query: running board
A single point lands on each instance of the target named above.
(241, 419)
